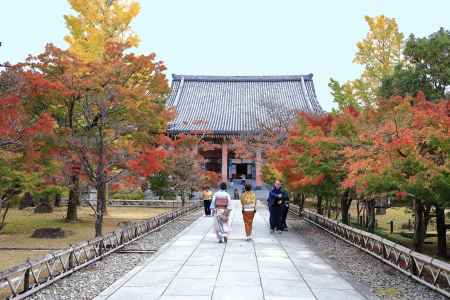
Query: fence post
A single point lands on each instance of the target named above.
(100, 247)
(391, 223)
(26, 278)
(71, 258)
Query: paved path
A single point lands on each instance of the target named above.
(271, 267)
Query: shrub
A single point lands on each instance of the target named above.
(129, 195)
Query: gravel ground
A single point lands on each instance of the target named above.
(92, 280)
(373, 278)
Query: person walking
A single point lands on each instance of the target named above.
(207, 198)
(221, 207)
(236, 194)
(248, 201)
(275, 203)
(284, 210)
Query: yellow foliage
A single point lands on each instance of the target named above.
(98, 22)
(380, 51)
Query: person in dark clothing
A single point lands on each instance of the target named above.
(236, 195)
(284, 210)
(275, 203)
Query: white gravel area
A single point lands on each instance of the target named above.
(92, 280)
(373, 278)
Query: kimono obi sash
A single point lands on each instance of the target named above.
(248, 207)
(221, 202)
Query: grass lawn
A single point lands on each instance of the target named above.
(22, 223)
(400, 215)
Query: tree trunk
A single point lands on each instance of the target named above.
(44, 206)
(182, 198)
(105, 204)
(336, 209)
(328, 206)
(27, 201)
(441, 232)
(358, 210)
(74, 199)
(3, 205)
(101, 198)
(345, 206)
(302, 201)
(371, 216)
(319, 205)
(419, 228)
(100, 180)
(57, 202)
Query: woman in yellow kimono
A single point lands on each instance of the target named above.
(248, 201)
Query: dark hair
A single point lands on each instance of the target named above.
(223, 186)
(248, 187)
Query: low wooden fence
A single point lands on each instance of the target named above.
(148, 203)
(431, 272)
(26, 279)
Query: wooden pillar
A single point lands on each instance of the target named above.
(258, 164)
(224, 162)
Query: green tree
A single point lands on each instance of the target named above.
(426, 68)
(160, 185)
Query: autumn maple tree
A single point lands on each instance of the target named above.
(398, 149)
(310, 160)
(109, 105)
(185, 166)
(25, 137)
(109, 111)
(406, 151)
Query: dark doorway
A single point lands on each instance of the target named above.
(241, 169)
(213, 166)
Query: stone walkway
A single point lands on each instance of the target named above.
(271, 267)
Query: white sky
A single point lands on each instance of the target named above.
(235, 37)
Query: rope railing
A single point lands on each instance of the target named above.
(26, 279)
(429, 271)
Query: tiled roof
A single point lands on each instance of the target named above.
(233, 105)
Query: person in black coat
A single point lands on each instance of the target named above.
(275, 203)
(284, 210)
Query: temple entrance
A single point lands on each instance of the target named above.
(241, 168)
(241, 171)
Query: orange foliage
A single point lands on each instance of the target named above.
(148, 162)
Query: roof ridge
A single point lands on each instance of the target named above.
(242, 78)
